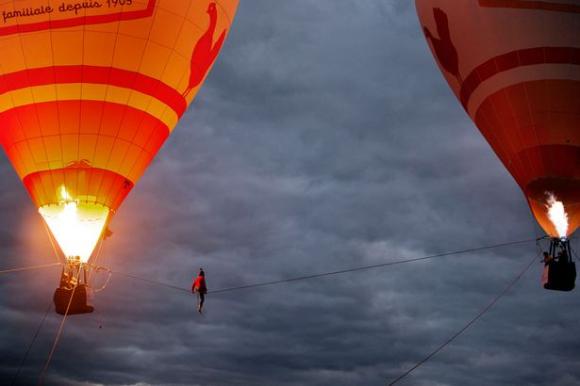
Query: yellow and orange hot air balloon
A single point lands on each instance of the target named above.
(515, 67)
(89, 92)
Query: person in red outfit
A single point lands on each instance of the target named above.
(200, 288)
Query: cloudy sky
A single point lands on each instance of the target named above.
(325, 138)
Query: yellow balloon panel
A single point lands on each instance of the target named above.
(100, 84)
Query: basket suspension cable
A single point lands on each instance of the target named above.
(60, 330)
(52, 243)
(35, 336)
(474, 319)
(96, 260)
(466, 327)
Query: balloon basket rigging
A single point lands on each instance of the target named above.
(74, 290)
(560, 269)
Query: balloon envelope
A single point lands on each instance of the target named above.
(90, 90)
(515, 67)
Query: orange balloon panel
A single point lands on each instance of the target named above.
(90, 90)
(515, 67)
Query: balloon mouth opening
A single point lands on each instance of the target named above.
(557, 215)
(76, 225)
(555, 205)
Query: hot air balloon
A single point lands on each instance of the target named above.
(89, 92)
(515, 67)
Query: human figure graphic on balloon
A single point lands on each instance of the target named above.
(443, 46)
(205, 51)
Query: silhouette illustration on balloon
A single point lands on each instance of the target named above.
(443, 46)
(205, 51)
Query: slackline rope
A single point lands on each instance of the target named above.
(31, 268)
(324, 274)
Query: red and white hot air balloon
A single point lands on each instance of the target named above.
(515, 67)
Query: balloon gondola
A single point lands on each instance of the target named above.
(72, 295)
(77, 286)
(87, 99)
(560, 270)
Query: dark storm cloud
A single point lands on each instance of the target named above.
(325, 138)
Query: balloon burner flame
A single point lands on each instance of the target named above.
(76, 225)
(557, 215)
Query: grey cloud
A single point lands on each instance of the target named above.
(325, 138)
